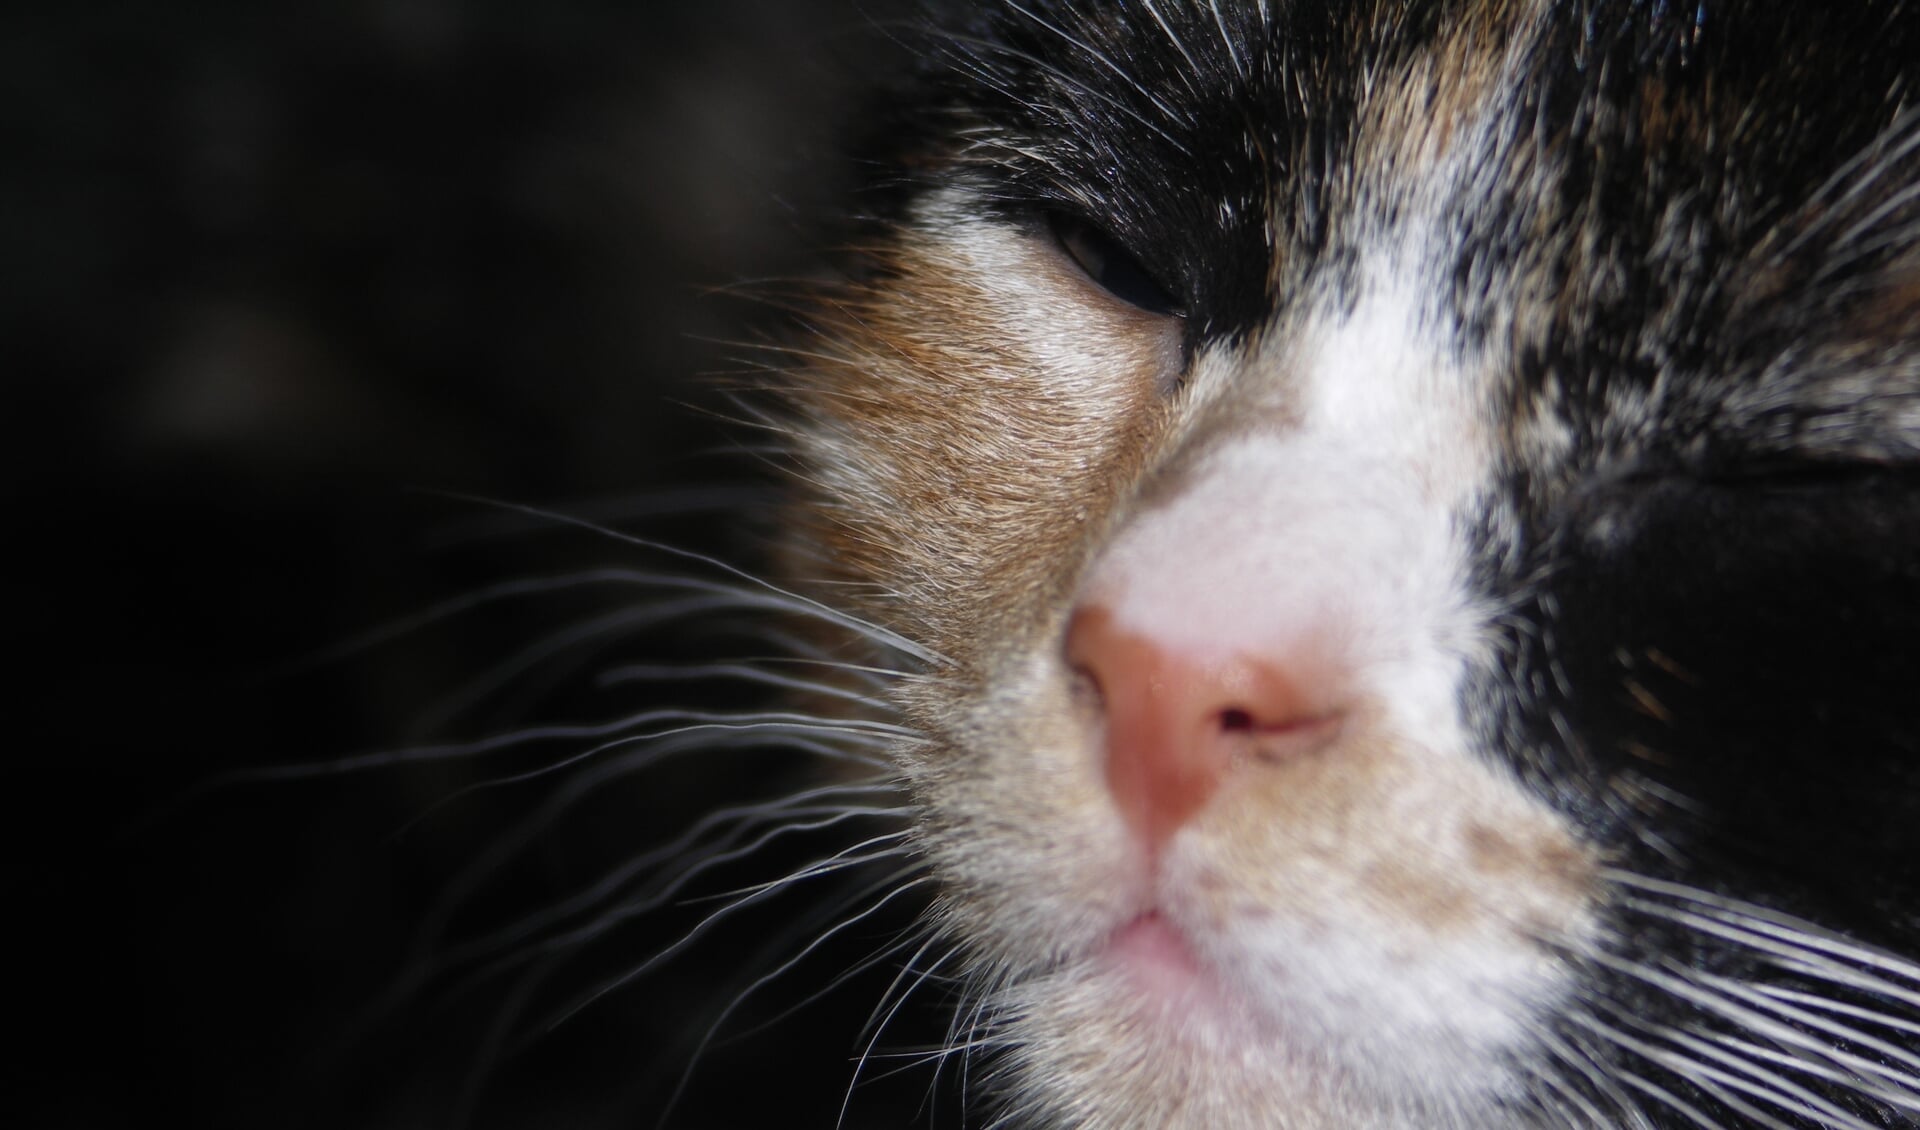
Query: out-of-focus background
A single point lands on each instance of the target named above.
(279, 281)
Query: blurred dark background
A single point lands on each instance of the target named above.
(280, 281)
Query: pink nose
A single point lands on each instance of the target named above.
(1178, 725)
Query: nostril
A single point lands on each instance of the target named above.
(1277, 742)
(1292, 740)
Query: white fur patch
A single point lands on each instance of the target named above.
(1328, 543)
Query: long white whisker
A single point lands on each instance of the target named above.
(771, 726)
(1857, 183)
(838, 861)
(738, 820)
(899, 997)
(1706, 1078)
(1065, 80)
(1907, 1085)
(532, 735)
(884, 953)
(713, 498)
(972, 1043)
(1711, 994)
(492, 594)
(638, 907)
(1806, 1064)
(742, 672)
(1793, 948)
(1667, 1098)
(541, 652)
(1770, 1083)
(777, 723)
(699, 930)
(1822, 1004)
(791, 600)
(1760, 920)
(571, 792)
(1582, 1062)
(781, 970)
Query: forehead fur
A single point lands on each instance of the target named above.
(1655, 191)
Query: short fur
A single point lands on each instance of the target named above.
(1605, 315)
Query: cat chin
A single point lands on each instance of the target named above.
(1199, 1012)
(1131, 1041)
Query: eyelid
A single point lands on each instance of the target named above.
(1109, 265)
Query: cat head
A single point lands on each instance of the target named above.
(1410, 521)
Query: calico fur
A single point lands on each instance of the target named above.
(1541, 380)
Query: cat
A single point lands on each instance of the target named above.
(1382, 545)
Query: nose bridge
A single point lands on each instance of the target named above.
(1270, 544)
(1319, 464)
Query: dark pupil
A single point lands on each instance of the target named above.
(1107, 263)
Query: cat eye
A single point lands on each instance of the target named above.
(1112, 267)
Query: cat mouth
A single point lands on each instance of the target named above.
(1158, 956)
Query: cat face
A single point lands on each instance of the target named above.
(1408, 516)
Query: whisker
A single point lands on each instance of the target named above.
(746, 673)
(1862, 1069)
(1809, 1065)
(738, 820)
(973, 1042)
(794, 601)
(576, 938)
(770, 726)
(779, 723)
(1672, 1101)
(711, 498)
(699, 930)
(542, 652)
(1696, 1074)
(781, 970)
(1795, 949)
(571, 791)
(838, 861)
(1710, 993)
(454, 606)
(1582, 1063)
(1067, 81)
(432, 753)
(1769, 1083)
(865, 964)
(1812, 1001)
(1857, 183)
(1764, 920)
(899, 997)
(1193, 68)
(494, 1045)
